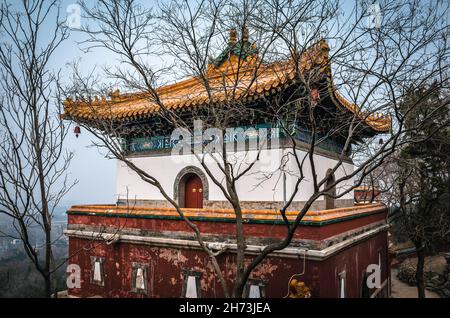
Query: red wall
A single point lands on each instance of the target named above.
(354, 262)
(165, 264)
(227, 228)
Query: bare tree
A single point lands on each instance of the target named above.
(373, 57)
(415, 180)
(33, 161)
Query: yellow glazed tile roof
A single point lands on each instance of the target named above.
(265, 215)
(254, 83)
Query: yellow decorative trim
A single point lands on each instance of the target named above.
(311, 216)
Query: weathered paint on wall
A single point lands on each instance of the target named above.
(227, 228)
(165, 276)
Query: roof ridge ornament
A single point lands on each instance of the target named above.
(241, 48)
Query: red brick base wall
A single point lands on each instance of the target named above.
(165, 267)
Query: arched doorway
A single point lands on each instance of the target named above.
(179, 185)
(331, 193)
(193, 192)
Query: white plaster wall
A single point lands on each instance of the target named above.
(264, 182)
(322, 164)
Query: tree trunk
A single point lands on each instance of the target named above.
(48, 285)
(240, 254)
(419, 272)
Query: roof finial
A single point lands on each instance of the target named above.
(233, 36)
(68, 101)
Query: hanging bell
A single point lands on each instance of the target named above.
(77, 131)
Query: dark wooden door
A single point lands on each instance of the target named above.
(193, 197)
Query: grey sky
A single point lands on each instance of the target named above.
(95, 174)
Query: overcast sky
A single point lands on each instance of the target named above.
(96, 175)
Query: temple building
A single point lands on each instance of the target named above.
(139, 246)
